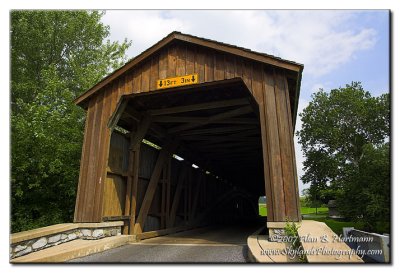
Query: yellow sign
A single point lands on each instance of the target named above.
(177, 81)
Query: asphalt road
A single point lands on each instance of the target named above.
(216, 244)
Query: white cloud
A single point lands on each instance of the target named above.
(144, 28)
(321, 40)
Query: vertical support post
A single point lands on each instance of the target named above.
(133, 170)
(278, 152)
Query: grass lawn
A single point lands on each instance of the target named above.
(307, 210)
(321, 216)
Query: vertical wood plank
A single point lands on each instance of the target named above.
(128, 82)
(114, 97)
(163, 64)
(276, 180)
(121, 87)
(209, 66)
(78, 215)
(180, 60)
(247, 73)
(91, 179)
(104, 144)
(219, 70)
(257, 84)
(135, 181)
(238, 67)
(293, 152)
(268, 180)
(190, 57)
(285, 147)
(129, 182)
(199, 64)
(171, 61)
(145, 85)
(137, 80)
(154, 76)
(229, 66)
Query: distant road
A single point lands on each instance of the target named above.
(219, 244)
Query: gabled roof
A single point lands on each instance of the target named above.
(227, 48)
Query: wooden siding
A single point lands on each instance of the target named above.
(268, 85)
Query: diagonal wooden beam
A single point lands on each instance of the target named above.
(229, 114)
(112, 122)
(165, 152)
(143, 127)
(199, 106)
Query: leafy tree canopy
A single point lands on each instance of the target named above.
(55, 56)
(344, 136)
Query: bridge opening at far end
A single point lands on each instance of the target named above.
(184, 158)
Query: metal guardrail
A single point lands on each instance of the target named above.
(375, 247)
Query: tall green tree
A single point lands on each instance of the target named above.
(55, 56)
(343, 136)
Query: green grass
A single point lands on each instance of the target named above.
(262, 210)
(304, 210)
(307, 210)
(321, 216)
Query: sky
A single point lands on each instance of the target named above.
(335, 46)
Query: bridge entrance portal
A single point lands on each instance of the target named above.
(190, 133)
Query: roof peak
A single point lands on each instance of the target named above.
(204, 42)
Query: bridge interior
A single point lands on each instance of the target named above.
(185, 157)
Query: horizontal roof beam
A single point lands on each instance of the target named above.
(217, 130)
(203, 120)
(199, 106)
(221, 138)
(225, 115)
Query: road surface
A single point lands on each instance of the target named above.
(217, 244)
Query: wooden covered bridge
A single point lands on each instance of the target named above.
(188, 133)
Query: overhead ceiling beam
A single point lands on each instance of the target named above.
(203, 120)
(218, 130)
(228, 145)
(200, 106)
(220, 138)
(222, 116)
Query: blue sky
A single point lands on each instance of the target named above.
(335, 46)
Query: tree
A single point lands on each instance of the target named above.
(340, 131)
(367, 197)
(55, 56)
